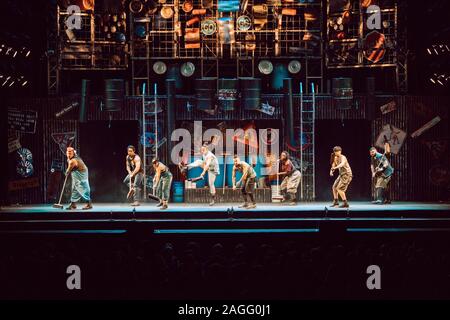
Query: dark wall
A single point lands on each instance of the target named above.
(104, 146)
(354, 138)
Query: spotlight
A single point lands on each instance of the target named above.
(187, 69)
(265, 67)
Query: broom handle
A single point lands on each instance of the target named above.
(62, 191)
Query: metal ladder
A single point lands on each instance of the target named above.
(307, 159)
(149, 127)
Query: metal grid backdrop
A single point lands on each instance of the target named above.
(92, 47)
(169, 33)
(347, 32)
(412, 180)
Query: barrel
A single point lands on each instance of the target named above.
(342, 93)
(114, 94)
(205, 93)
(251, 93)
(178, 191)
(227, 94)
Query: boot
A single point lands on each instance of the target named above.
(335, 203)
(88, 206)
(344, 205)
(379, 196)
(164, 205)
(213, 200)
(292, 199)
(72, 206)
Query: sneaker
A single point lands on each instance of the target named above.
(135, 204)
(292, 203)
(244, 205)
(377, 202)
(212, 203)
(159, 204)
(251, 206)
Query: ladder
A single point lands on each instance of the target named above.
(149, 133)
(307, 160)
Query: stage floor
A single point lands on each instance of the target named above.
(227, 218)
(224, 207)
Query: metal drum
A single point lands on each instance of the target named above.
(342, 93)
(114, 94)
(227, 94)
(251, 93)
(205, 92)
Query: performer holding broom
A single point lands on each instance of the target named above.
(135, 175)
(163, 181)
(291, 179)
(210, 164)
(247, 181)
(80, 180)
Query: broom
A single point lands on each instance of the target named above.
(59, 205)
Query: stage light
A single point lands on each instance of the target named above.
(294, 66)
(265, 67)
(187, 69)
(159, 67)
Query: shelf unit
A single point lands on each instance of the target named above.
(87, 48)
(347, 39)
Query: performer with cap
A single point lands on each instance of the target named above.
(80, 180)
(342, 182)
(382, 171)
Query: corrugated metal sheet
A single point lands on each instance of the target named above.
(412, 164)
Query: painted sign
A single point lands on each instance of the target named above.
(393, 135)
(22, 120)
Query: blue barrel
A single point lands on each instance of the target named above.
(178, 191)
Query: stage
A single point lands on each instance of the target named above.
(181, 218)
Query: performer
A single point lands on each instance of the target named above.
(291, 180)
(247, 181)
(163, 181)
(381, 170)
(342, 182)
(135, 173)
(80, 180)
(210, 164)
